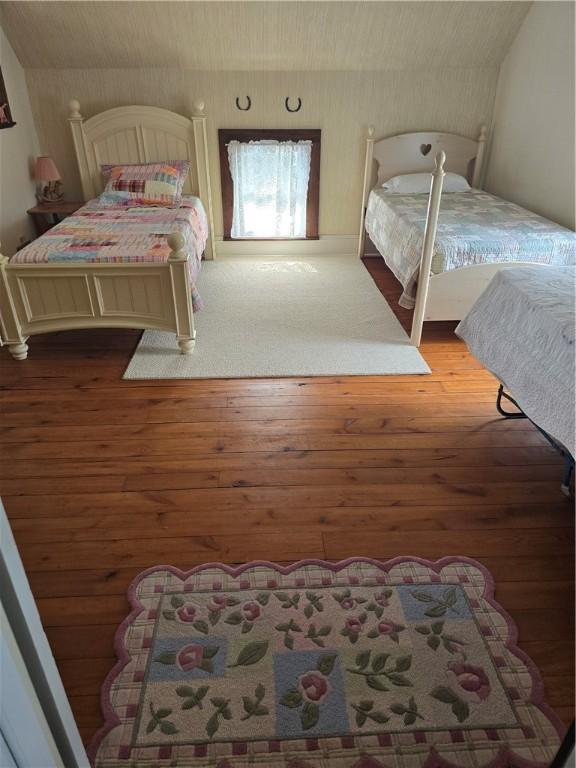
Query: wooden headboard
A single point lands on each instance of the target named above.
(415, 153)
(138, 134)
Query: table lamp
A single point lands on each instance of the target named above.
(50, 185)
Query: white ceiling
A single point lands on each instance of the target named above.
(262, 35)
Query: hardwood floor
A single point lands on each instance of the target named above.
(102, 478)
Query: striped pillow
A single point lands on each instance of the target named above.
(145, 184)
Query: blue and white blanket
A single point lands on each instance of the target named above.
(473, 228)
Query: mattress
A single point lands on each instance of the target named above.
(99, 233)
(473, 228)
(522, 329)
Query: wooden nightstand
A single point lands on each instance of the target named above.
(45, 215)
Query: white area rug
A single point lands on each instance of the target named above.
(315, 316)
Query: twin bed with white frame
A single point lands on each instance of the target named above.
(63, 295)
(445, 295)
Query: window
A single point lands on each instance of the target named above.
(270, 184)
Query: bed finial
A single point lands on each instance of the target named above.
(483, 133)
(198, 106)
(439, 161)
(176, 242)
(371, 130)
(74, 107)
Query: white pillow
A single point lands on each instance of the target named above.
(419, 183)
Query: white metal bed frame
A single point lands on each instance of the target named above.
(55, 296)
(447, 295)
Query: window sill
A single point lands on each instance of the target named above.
(227, 238)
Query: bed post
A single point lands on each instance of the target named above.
(203, 171)
(365, 186)
(77, 127)
(10, 330)
(428, 248)
(181, 293)
(478, 175)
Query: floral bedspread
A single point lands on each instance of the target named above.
(362, 664)
(109, 234)
(473, 228)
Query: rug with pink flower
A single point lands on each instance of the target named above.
(404, 664)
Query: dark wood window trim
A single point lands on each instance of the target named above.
(226, 135)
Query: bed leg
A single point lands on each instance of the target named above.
(181, 294)
(186, 346)
(518, 414)
(19, 351)
(10, 329)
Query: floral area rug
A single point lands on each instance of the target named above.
(403, 664)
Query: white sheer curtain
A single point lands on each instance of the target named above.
(270, 181)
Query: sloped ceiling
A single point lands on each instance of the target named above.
(262, 35)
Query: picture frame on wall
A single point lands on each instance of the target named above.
(6, 120)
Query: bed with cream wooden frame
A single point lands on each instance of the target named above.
(55, 296)
(446, 295)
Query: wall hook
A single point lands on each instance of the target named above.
(246, 108)
(286, 104)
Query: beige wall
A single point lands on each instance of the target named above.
(18, 149)
(342, 104)
(532, 154)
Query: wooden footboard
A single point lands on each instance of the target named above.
(40, 298)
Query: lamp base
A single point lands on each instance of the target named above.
(52, 192)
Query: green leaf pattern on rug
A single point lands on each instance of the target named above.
(193, 698)
(374, 667)
(310, 715)
(288, 628)
(346, 601)
(158, 720)
(365, 711)
(438, 606)
(251, 654)
(218, 606)
(288, 601)
(409, 711)
(447, 696)
(314, 604)
(166, 657)
(316, 635)
(435, 637)
(253, 707)
(223, 711)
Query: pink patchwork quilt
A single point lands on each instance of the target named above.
(97, 233)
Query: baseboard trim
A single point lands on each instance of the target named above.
(329, 245)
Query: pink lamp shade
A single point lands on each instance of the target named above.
(45, 169)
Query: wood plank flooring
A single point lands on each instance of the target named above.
(102, 478)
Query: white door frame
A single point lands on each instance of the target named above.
(24, 730)
(30, 670)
